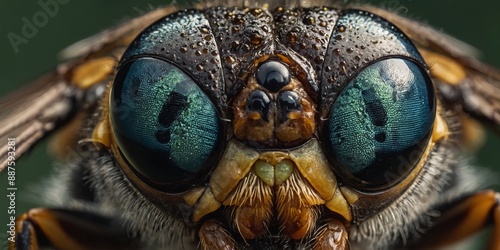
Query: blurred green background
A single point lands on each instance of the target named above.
(476, 22)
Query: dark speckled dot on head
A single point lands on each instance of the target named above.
(384, 113)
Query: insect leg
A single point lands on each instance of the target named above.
(333, 235)
(68, 229)
(214, 236)
(465, 218)
(495, 237)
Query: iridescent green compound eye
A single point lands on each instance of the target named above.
(380, 124)
(165, 126)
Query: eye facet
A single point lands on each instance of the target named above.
(165, 126)
(380, 124)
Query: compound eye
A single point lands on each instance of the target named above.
(166, 128)
(380, 124)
